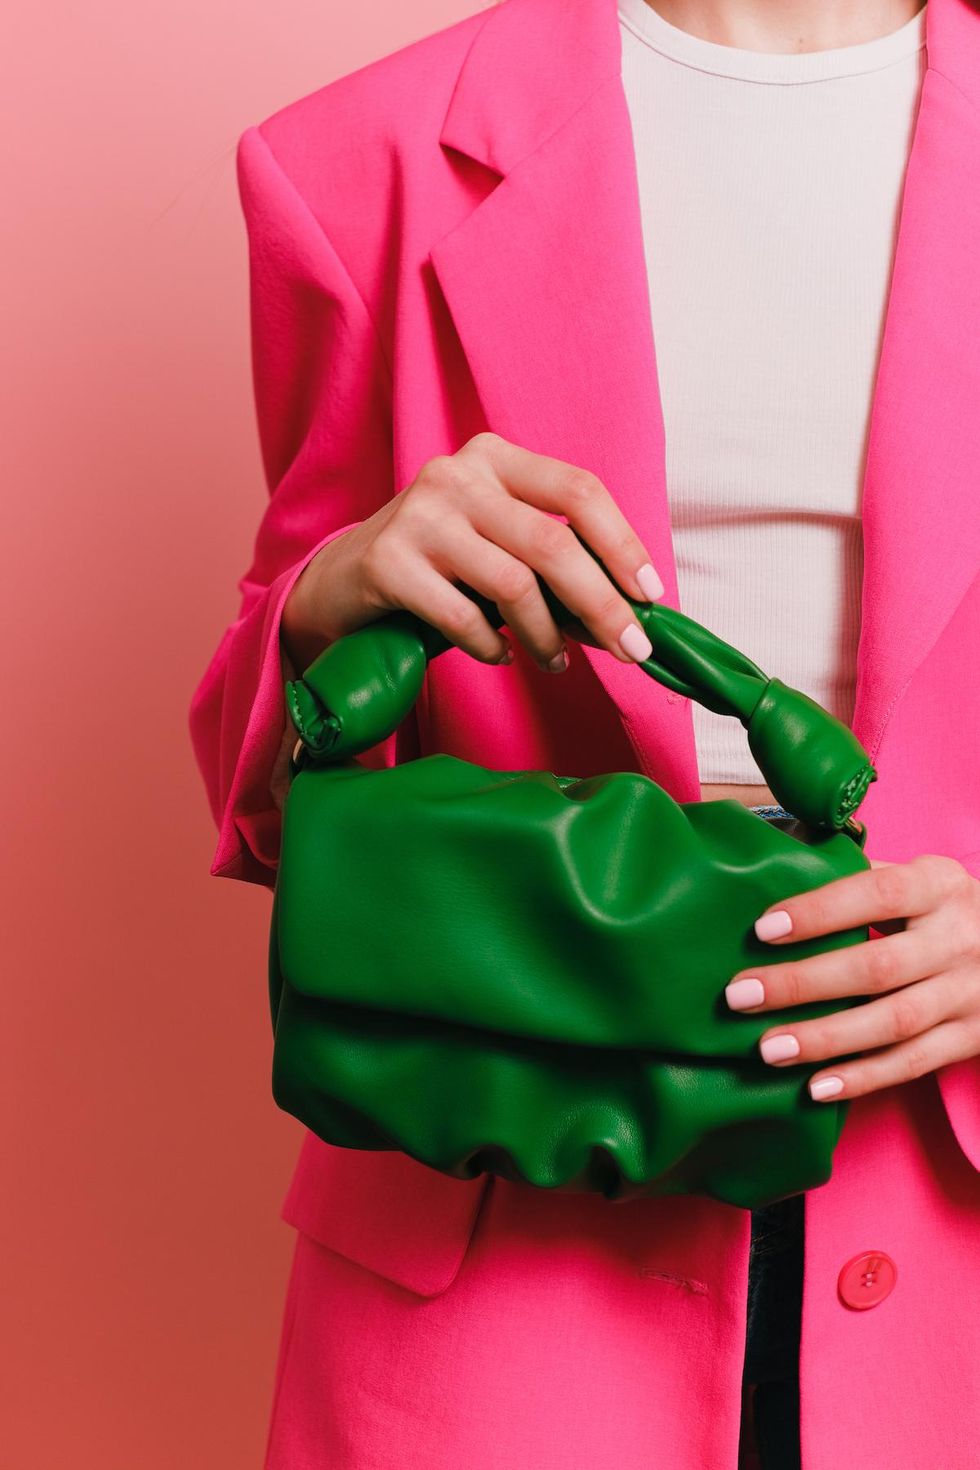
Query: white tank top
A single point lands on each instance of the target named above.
(770, 186)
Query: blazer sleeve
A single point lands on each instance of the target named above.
(959, 1082)
(322, 392)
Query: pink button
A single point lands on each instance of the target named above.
(867, 1279)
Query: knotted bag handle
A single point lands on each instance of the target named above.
(360, 688)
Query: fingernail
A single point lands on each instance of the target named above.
(634, 642)
(559, 663)
(779, 1048)
(741, 994)
(774, 925)
(506, 658)
(826, 1087)
(649, 583)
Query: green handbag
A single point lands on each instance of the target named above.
(522, 973)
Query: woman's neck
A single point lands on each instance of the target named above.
(787, 25)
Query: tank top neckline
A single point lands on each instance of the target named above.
(779, 67)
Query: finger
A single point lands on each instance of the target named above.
(420, 588)
(870, 968)
(558, 487)
(892, 891)
(952, 1041)
(511, 584)
(901, 1016)
(886, 926)
(550, 547)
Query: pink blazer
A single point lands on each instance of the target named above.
(449, 240)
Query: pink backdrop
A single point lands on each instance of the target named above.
(144, 1261)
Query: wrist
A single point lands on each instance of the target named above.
(300, 635)
(318, 609)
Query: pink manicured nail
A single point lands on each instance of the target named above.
(826, 1087)
(779, 1048)
(649, 583)
(633, 641)
(559, 663)
(774, 925)
(741, 994)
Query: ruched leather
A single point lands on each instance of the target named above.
(522, 972)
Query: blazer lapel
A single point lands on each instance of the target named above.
(921, 497)
(546, 283)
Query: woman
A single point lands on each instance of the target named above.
(461, 255)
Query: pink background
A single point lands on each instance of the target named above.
(144, 1158)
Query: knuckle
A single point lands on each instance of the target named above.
(792, 983)
(420, 511)
(625, 545)
(462, 619)
(915, 1062)
(484, 442)
(817, 1041)
(609, 610)
(581, 487)
(549, 538)
(891, 888)
(514, 583)
(879, 966)
(814, 910)
(950, 873)
(963, 931)
(906, 1020)
(934, 866)
(442, 472)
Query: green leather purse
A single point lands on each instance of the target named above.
(522, 973)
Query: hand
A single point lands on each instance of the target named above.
(487, 516)
(926, 973)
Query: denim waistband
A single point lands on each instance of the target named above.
(772, 811)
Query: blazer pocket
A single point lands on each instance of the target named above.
(385, 1211)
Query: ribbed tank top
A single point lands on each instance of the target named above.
(770, 187)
